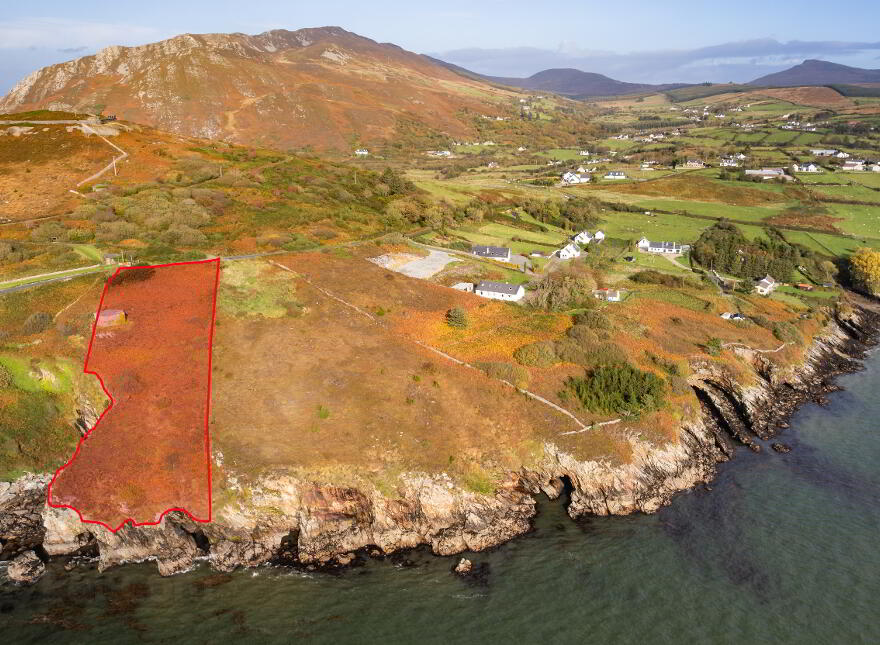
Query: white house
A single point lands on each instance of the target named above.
(615, 174)
(569, 251)
(729, 315)
(648, 246)
(584, 237)
(361, 152)
(694, 163)
(875, 167)
(806, 167)
(492, 252)
(729, 163)
(500, 290)
(584, 153)
(823, 152)
(574, 178)
(842, 155)
(766, 285)
(521, 149)
(599, 236)
(439, 153)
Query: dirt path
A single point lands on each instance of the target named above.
(112, 165)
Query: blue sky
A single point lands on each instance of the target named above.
(651, 41)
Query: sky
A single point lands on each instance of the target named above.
(637, 41)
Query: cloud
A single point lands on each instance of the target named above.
(73, 50)
(69, 34)
(734, 61)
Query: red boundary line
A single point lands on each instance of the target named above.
(112, 401)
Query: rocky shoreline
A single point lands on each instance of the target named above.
(292, 522)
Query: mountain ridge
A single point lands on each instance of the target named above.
(818, 72)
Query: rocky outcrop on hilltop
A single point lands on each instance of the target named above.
(291, 521)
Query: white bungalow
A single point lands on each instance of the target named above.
(766, 285)
(599, 236)
(694, 163)
(875, 167)
(569, 251)
(609, 295)
(842, 155)
(615, 174)
(729, 163)
(492, 252)
(571, 178)
(853, 166)
(648, 246)
(500, 290)
(361, 152)
(806, 167)
(767, 173)
(584, 237)
(823, 152)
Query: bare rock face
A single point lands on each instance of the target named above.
(65, 532)
(27, 568)
(463, 567)
(21, 520)
(173, 548)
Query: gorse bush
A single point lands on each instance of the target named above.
(593, 320)
(514, 374)
(619, 389)
(786, 332)
(457, 318)
(540, 354)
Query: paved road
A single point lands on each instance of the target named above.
(28, 285)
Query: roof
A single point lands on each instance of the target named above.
(498, 287)
(498, 251)
(664, 245)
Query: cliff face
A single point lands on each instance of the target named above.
(293, 521)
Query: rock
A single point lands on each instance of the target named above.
(70, 565)
(781, 447)
(463, 567)
(754, 447)
(345, 559)
(21, 521)
(782, 425)
(26, 569)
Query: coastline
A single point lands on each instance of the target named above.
(318, 527)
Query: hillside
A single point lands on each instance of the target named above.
(819, 72)
(577, 84)
(326, 88)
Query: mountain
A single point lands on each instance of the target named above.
(577, 84)
(323, 87)
(819, 72)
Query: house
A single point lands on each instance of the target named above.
(729, 163)
(584, 153)
(493, 164)
(648, 246)
(112, 258)
(581, 169)
(537, 253)
(111, 317)
(361, 152)
(615, 174)
(500, 290)
(467, 287)
(694, 163)
(439, 153)
(584, 237)
(842, 155)
(766, 285)
(521, 149)
(740, 156)
(492, 252)
(647, 166)
(805, 167)
(853, 166)
(804, 286)
(767, 173)
(609, 295)
(599, 236)
(727, 315)
(569, 251)
(823, 152)
(875, 167)
(574, 178)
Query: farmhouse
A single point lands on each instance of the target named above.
(599, 236)
(875, 167)
(569, 251)
(740, 156)
(584, 237)
(766, 285)
(842, 155)
(574, 178)
(727, 315)
(823, 152)
(492, 252)
(615, 174)
(500, 290)
(853, 166)
(805, 167)
(111, 317)
(361, 152)
(112, 258)
(661, 247)
(729, 163)
(439, 153)
(694, 163)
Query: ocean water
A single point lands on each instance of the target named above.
(782, 549)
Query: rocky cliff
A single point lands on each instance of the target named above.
(292, 521)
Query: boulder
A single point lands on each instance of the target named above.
(26, 569)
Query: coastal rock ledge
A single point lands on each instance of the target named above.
(290, 521)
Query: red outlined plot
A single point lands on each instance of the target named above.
(149, 452)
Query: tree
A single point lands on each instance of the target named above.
(457, 318)
(864, 266)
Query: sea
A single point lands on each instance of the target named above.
(782, 548)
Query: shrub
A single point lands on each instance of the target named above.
(762, 321)
(786, 332)
(558, 292)
(5, 378)
(593, 320)
(457, 318)
(37, 322)
(650, 276)
(618, 389)
(583, 334)
(514, 374)
(539, 354)
(713, 346)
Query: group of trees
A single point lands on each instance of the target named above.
(723, 247)
(864, 266)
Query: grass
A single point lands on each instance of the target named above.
(69, 273)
